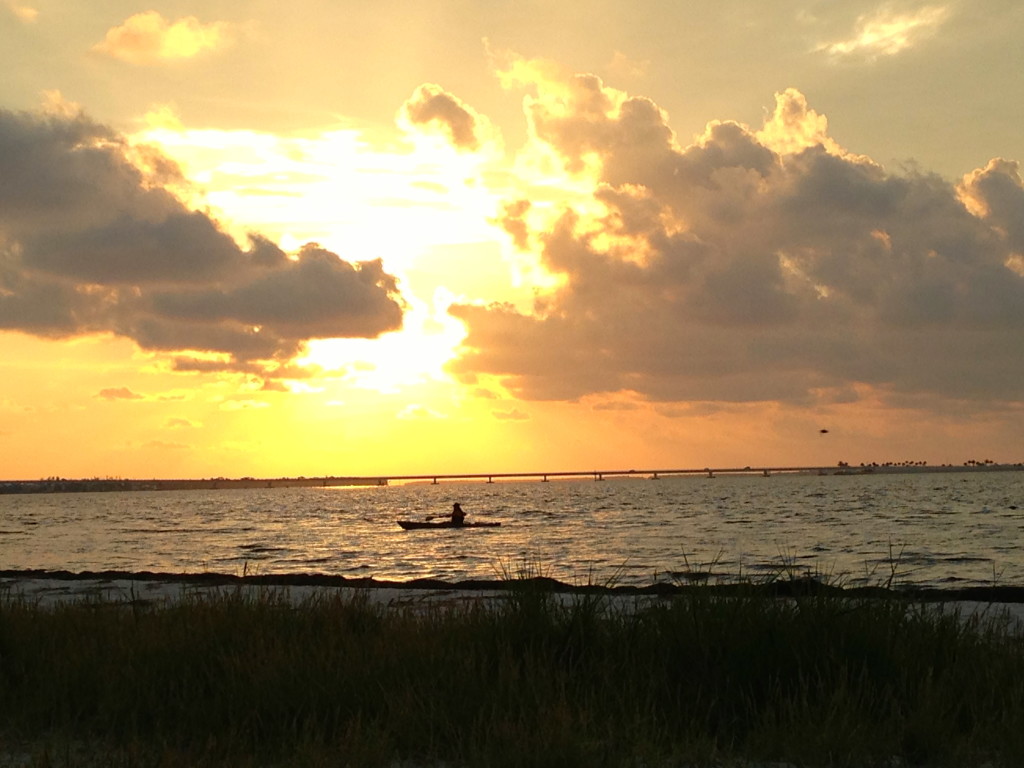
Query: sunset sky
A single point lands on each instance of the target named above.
(339, 237)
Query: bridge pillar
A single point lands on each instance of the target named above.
(654, 476)
(490, 480)
(767, 473)
(545, 479)
(710, 473)
(435, 481)
(598, 476)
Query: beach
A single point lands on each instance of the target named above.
(48, 591)
(155, 590)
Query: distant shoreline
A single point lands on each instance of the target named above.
(99, 485)
(108, 485)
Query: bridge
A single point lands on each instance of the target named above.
(600, 474)
(61, 485)
(655, 474)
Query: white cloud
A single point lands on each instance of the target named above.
(887, 33)
(148, 38)
(24, 13)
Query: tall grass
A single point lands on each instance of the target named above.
(237, 679)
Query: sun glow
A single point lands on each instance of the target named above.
(345, 190)
(415, 355)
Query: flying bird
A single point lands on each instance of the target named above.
(823, 431)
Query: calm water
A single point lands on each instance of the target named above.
(940, 530)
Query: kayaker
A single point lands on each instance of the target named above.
(458, 516)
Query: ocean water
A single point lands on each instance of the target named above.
(936, 529)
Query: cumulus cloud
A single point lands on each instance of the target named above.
(433, 108)
(887, 32)
(93, 241)
(148, 38)
(753, 265)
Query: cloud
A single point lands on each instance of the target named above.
(432, 107)
(996, 194)
(148, 38)
(753, 265)
(887, 33)
(24, 13)
(622, 65)
(92, 240)
(118, 393)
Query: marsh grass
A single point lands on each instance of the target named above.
(533, 679)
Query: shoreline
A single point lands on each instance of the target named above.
(39, 583)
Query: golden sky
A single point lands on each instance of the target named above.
(452, 236)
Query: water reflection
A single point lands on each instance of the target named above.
(927, 530)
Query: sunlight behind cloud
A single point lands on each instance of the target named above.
(416, 354)
(346, 190)
(334, 188)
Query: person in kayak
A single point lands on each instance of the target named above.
(458, 516)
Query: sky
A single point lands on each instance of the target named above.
(344, 238)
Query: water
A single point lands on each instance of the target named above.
(940, 530)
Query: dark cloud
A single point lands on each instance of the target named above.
(751, 265)
(92, 240)
(184, 247)
(998, 191)
(430, 105)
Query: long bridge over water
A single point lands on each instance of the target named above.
(655, 474)
(603, 474)
(63, 485)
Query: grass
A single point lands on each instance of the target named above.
(254, 680)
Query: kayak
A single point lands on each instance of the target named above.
(415, 525)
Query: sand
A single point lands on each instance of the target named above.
(46, 590)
